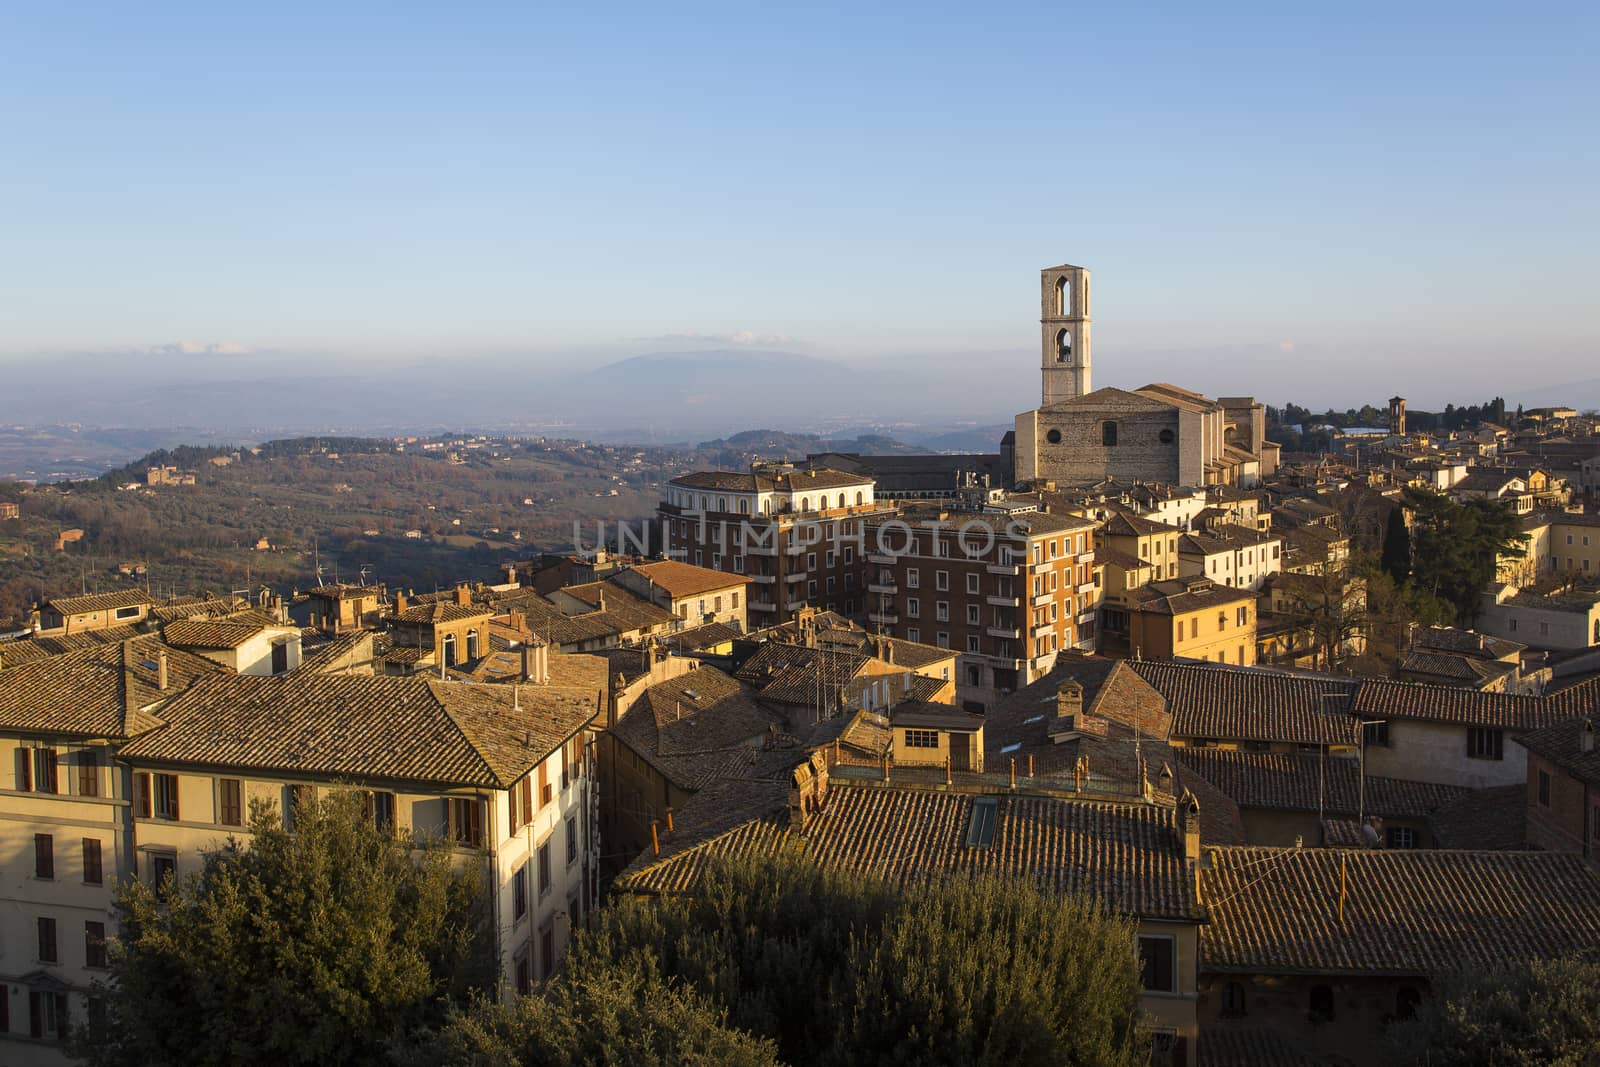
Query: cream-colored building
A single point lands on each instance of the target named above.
(64, 823)
(502, 773)
(696, 595)
(92, 611)
(242, 647)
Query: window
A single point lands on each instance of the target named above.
(1108, 434)
(1321, 1003)
(44, 770)
(280, 657)
(922, 739)
(1222, 620)
(94, 944)
(128, 613)
(297, 798)
(1544, 789)
(24, 771)
(572, 840)
(519, 892)
(913, 578)
(44, 856)
(47, 940)
(941, 611)
(913, 634)
(466, 821)
(93, 872)
(1375, 734)
(546, 794)
(547, 951)
(1166, 437)
(1063, 346)
(1485, 743)
(380, 810)
(520, 803)
(47, 1015)
(1400, 837)
(163, 869)
(973, 645)
(972, 584)
(1233, 1001)
(544, 868)
(1053, 436)
(230, 802)
(524, 973)
(972, 614)
(980, 828)
(1243, 617)
(1156, 964)
(166, 796)
(941, 580)
(88, 773)
(913, 608)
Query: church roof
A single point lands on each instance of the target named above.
(1118, 401)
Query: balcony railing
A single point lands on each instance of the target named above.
(886, 588)
(1003, 631)
(887, 618)
(1005, 601)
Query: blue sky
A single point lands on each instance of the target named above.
(1352, 199)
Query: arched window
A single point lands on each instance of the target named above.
(1063, 296)
(472, 644)
(860, 499)
(1406, 1002)
(744, 505)
(1321, 1003)
(841, 500)
(1064, 346)
(1233, 1000)
(449, 650)
(722, 503)
(1108, 434)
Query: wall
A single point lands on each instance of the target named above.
(1362, 1010)
(1176, 1011)
(1437, 752)
(1081, 457)
(1566, 824)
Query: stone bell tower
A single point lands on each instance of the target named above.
(1064, 332)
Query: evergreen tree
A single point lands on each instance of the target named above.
(1397, 547)
(1531, 1014)
(327, 945)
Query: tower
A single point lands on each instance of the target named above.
(1397, 416)
(1064, 332)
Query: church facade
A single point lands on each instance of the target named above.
(1159, 433)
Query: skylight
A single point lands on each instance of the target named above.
(980, 830)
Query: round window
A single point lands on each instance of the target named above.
(1166, 437)
(1054, 437)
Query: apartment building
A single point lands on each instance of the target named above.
(1183, 618)
(797, 534)
(503, 774)
(66, 832)
(1239, 557)
(1006, 592)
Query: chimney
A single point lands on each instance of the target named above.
(1586, 736)
(1189, 815)
(1069, 720)
(161, 671)
(808, 788)
(519, 620)
(399, 602)
(536, 661)
(463, 596)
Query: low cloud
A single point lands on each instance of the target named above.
(734, 337)
(199, 348)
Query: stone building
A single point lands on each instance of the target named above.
(1158, 433)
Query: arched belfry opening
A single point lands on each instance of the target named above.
(1064, 346)
(1064, 296)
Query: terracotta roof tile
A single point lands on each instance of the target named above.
(1406, 912)
(1305, 782)
(90, 602)
(1234, 704)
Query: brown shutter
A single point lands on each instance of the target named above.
(49, 779)
(88, 773)
(527, 799)
(544, 784)
(141, 794)
(24, 770)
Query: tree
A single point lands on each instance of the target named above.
(325, 945)
(1456, 548)
(1397, 547)
(1529, 1014)
(779, 957)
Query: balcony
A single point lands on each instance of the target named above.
(1005, 601)
(767, 548)
(1042, 599)
(887, 618)
(1085, 618)
(796, 604)
(1003, 568)
(762, 605)
(880, 559)
(1087, 587)
(883, 588)
(1003, 632)
(797, 576)
(763, 579)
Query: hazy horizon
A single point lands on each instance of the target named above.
(1325, 208)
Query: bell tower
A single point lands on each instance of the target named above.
(1064, 332)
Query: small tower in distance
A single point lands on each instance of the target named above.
(1397, 416)
(1064, 355)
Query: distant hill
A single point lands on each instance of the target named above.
(799, 444)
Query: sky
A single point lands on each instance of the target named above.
(1329, 204)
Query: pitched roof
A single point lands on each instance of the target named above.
(90, 602)
(1293, 781)
(1179, 596)
(766, 481)
(1562, 744)
(339, 726)
(211, 634)
(1405, 912)
(440, 611)
(1484, 819)
(1455, 705)
(1231, 703)
(105, 691)
(1129, 856)
(684, 726)
(679, 579)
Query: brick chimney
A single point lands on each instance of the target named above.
(1069, 718)
(463, 596)
(808, 791)
(399, 602)
(519, 620)
(1189, 817)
